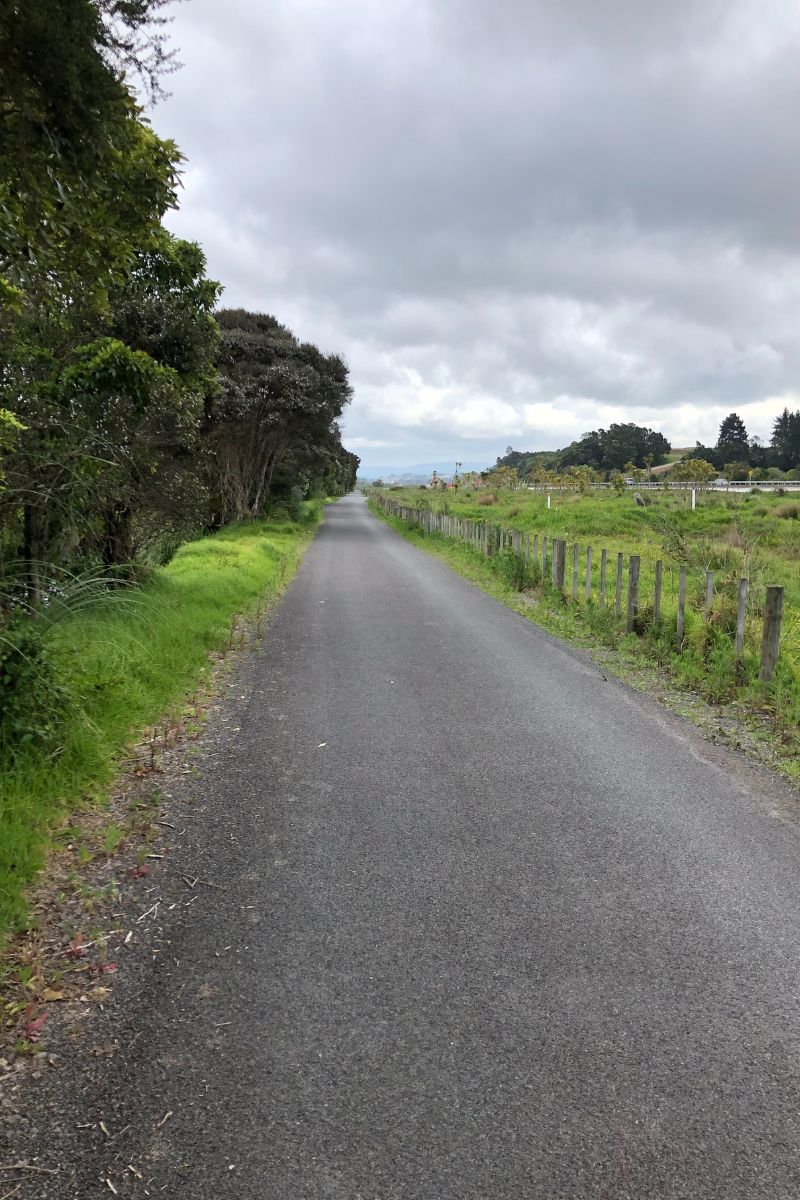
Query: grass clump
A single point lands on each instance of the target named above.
(76, 692)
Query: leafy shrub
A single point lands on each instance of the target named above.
(515, 570)
(295, 503)
(32, 703)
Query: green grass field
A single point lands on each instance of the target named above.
(124, 664)
(754, 536)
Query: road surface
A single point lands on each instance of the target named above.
(492, 925)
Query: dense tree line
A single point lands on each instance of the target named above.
(617, 448)
(132, 411)
(629, 447)
(739, 456)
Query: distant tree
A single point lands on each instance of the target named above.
(586, 452)
(736, 470)
(760, 456)
(694, 470)
(502, 477)
(581, 478)
(610, 449)
(512, 458)
(785, 440)
(732, 442)
(707, 454)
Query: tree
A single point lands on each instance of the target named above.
(694, 470)
(83, 180)
(502, 477)
(610, 449)
(113, 424)
(785, 439)
(276, 407)
(165, 310)
(732, 443)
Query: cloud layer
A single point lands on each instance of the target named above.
(518, 221)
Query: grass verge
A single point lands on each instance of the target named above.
(764, 720)
(125, 663)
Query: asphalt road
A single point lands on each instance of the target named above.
(493, 926)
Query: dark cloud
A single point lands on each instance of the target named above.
(518, 220)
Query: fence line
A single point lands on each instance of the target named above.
(493, 540)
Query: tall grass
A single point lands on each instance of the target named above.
(121, 667)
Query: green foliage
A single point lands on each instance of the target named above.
(117, 668)
(610, 449)
(31, 699)
(786, 439)
(514, 569)
(10, 427)
(732, 443)
(128, 421)
(693, 470)
(272, 423)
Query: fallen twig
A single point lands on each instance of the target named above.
(153, 909)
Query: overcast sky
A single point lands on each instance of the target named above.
(517, 221)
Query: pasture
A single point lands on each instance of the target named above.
(753, 536)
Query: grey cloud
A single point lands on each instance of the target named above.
(505, 204)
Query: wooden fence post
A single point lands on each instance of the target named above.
(709, 600)
(559, 563)
(657, 593)
(536, 549)
(618, 596)
(741, 616)
(575, 555)
(634, 563)
(771, 638)
(680, 628)
(603, 566)
(544, 557)
(588, 592)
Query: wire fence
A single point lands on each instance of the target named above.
(642, 596)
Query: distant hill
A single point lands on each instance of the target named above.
(416, 472)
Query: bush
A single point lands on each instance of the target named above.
(295, 503)
(515, 570)
(486, 499)
(32, 704)
(789, 512)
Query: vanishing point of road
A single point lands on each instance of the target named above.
(511, 930)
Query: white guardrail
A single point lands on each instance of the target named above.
(762, 485)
